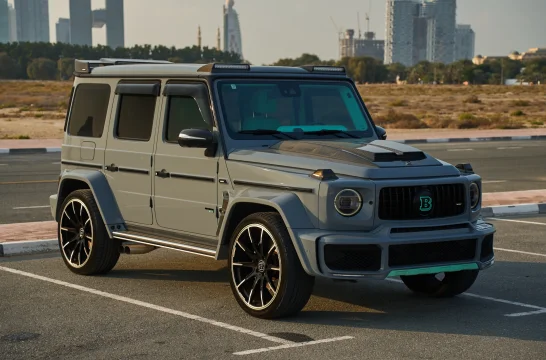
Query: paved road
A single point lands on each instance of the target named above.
(148, 305)
(27, 181)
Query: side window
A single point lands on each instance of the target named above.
(135, 117)
(183, 113)
(89, 107)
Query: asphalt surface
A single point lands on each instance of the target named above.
(27, 181)
(147, 305)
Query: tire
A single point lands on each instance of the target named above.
(453, 283)
(267, 278)
(84, 243)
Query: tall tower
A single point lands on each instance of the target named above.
(32, 18)
(232, 30)
(81, 22)
(115, 23)
(218, 40)
(465, 40)
(445, 25)
(4, 21)
(199, 38)
(399, 31)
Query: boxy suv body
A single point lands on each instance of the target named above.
(279, 170)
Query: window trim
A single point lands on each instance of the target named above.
(69, 109)
(118, 114)
(152, 89)
(68, 118)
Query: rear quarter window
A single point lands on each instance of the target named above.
(88, 112)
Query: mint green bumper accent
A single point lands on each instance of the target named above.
(434, 270)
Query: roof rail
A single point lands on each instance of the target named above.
(324, 69)
(86, 66)
(220, 67)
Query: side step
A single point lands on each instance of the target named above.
(179, 246)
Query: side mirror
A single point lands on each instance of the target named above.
(195, 138)
(381, 132)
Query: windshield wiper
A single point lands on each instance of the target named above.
(267, 132)
(332, 132)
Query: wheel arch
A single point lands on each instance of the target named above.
(287, 205)
(104, 197)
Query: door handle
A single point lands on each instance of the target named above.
(162, 174)
(112, 168)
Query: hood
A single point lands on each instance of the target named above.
(378, 159)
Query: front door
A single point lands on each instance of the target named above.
(185, 184)
(128, 158)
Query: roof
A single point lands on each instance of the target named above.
(134, 67)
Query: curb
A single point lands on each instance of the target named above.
(28, 247)
(30, 151)
(478, 139)
(507, 210)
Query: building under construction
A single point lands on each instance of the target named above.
(349, 46)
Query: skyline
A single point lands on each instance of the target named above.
(306, 26)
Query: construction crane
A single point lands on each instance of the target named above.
(358, 20)
(367, 22)
(339, 30)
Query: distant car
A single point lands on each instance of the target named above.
(278, 170)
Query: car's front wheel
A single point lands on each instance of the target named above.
(441, 285)
(267, 278)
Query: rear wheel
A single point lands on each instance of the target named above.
(441, 285)
(267, 278)
(83, 240)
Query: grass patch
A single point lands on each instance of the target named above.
(472, 99)
(537, 123)
(466, 116)
(396, 120)
(7, 106)
(517, 113)
(521, 103)
(15, 137)
(398, 103)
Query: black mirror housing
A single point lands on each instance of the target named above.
(195, 138)
(381, 132)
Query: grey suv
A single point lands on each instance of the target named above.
(278, 170)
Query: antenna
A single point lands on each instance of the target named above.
(358, 19)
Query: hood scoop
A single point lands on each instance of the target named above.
(389, 151)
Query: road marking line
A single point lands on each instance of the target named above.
(515, 303)
(518, 221)
(460, 149)
(520, 252)
(3, 164)
(31, 207)
(493, 181)
(290, 346)
(28, 182)
(509, 148)
(150, 306)
(527, 313)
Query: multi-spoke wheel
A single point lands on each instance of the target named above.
(83, 240)
(266, 276)
(441, 285)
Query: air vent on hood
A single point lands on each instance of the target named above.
(388, 151)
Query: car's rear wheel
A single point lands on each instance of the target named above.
(267, 278)
(83, 240)
(441, 285)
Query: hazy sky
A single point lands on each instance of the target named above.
(286, 28)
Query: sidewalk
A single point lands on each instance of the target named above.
(419, 135)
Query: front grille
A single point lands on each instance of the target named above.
(487, 248)
(405, 203)
(352, 257)
(433, 252)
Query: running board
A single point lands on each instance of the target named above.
(165, 244)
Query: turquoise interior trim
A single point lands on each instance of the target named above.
(434, 270)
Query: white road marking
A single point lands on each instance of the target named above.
(518, 221)
(515, 303)
(493, 181)
(31, 207)
(3, 164)
(510, 148)
(290, 346)
(520, 252)
(460, 149)
(150, 306)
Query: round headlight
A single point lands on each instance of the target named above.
(348, 202)
(474, 195)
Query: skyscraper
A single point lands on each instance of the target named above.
(445, 14)
(115, 24)
(232, 30)
(32, 18)
(81, 22)
(399, 36)
(4, 21)
(12, 19)
(465, 40)
(62, 31)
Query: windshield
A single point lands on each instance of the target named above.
(297, 108)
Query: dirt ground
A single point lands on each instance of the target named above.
(36, 110)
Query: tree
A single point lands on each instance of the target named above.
(8, 67)
(396, 70)
(42, 69)
(66, 68)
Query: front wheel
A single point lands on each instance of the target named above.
(441, 285)
(267, 278)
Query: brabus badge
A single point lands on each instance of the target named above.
(408, 163)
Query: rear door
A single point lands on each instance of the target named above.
(128, 159)
(185, 185)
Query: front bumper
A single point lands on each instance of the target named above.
(53, 205)
(388, 252)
